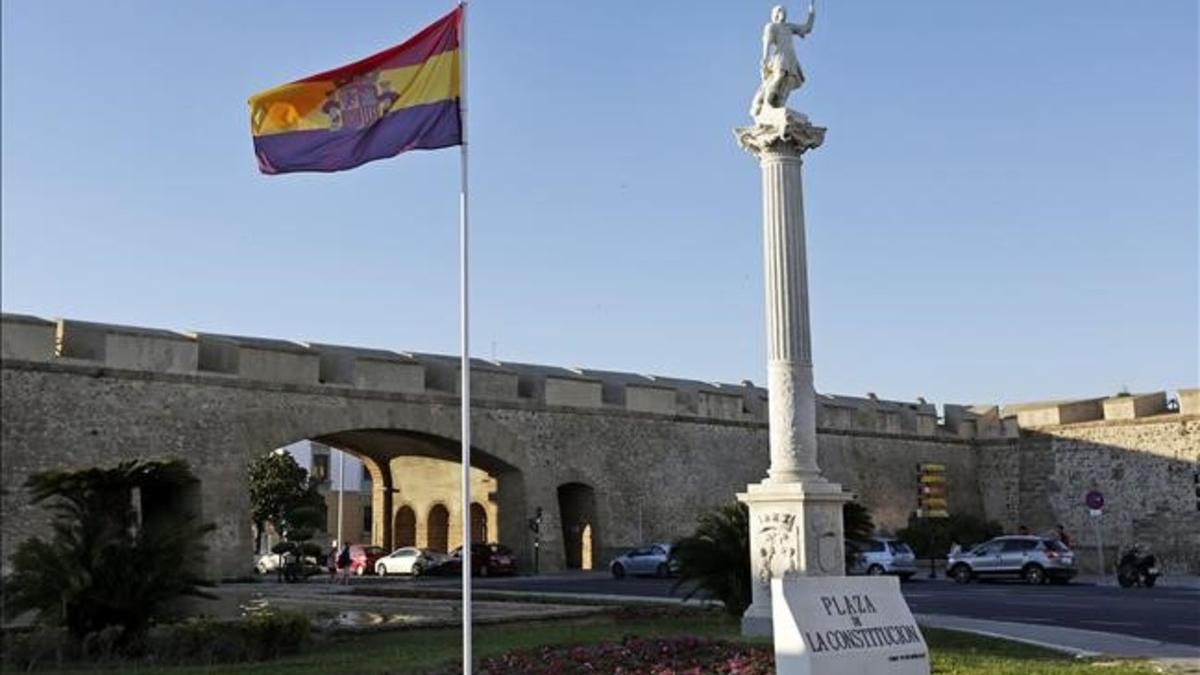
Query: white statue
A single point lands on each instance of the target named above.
(781, 74)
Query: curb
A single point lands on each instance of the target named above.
(536, 596)
(1077, 642)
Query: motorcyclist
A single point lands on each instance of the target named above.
(1137, 567)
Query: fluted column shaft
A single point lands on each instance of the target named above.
(792, 401)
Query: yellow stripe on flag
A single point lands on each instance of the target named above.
(298, 106)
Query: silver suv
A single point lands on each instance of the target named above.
(1034, 559)
(879, 555)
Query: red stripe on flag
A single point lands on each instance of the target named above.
(439, 36)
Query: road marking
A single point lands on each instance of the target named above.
(1111, 623)
(1184, 626)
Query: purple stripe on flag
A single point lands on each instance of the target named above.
(420, 127)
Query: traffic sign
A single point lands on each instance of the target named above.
(931, 491)
(1094, 500)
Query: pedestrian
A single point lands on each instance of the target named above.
(1063, 536)
(955, 547)
(289, 566)
(343, 563)
(331, 561)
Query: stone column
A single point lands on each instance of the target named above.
(381, 500)
(795, 513)
(789, 350)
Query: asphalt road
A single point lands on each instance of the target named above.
(1166, 614)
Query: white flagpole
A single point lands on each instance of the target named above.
(341, 495)
(465, 388)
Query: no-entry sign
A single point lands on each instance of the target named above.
(1094, 500)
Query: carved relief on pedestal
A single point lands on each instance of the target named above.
(778, 544)
(822, 534)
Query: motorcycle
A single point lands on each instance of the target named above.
(1137, 567)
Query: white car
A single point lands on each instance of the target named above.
(880, 555)
(271, 562)
(408, 560)
(655, 559)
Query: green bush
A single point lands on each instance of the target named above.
(932, 537)
(42, 647)
(199, 641)
(203, 641)
(270, 635)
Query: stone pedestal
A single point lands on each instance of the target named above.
(794, 528)
(795, 514)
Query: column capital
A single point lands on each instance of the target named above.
(780, 132)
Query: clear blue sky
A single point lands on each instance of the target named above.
(1005, 208)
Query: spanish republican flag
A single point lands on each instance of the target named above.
(403, 98)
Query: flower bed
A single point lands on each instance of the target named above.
(635, 656)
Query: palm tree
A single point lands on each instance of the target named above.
(717, 557)
(106, 565)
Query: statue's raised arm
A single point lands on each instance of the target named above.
(808, 25)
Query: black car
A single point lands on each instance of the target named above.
(486, 560)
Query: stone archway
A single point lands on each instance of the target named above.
(479, 523)
(405, 527)
(503, 500)
(437, 529)
(577, 513)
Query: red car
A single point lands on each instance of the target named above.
(486, 560)
(363, 558)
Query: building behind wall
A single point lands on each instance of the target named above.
(426, 511)
(326, 465)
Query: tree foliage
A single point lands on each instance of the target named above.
(106, 566)
(932, 537)
(857, 523)
(283, 494)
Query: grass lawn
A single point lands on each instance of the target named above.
(419, 651)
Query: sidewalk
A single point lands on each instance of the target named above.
(1070, 640)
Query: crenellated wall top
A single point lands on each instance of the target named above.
(30, 338)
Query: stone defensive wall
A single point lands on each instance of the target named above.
(633, 457)
(1143, 457)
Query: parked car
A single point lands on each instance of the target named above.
(654, 559)
(363, 558)
(270, 562)
(409, 560)
(880, 555)
(1034, 559)
(486, 560)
